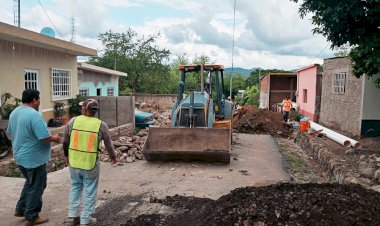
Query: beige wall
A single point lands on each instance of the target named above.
(15, 58)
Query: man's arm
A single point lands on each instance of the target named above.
(52, 138)
(108, 142)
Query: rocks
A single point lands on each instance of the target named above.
(355, 166)
(349, 151)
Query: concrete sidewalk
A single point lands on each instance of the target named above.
(255, 161)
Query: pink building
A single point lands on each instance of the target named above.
(309, 89)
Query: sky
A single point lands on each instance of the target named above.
(268, 33)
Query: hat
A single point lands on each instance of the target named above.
(90, 104)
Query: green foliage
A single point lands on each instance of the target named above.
(192, 79)
(294, 116)
(59, 109)
(74, 108)
(251, 97)
(238, 83)
(351, 22)
(126, 90)
(9, 104)
(138, 56)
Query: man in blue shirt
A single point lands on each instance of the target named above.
(31, 150)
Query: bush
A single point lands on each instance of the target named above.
(7, 108)
(59, 110)
(74, 108)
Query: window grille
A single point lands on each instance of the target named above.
(31, 79)
(110, 91)
(61, 84)
(339, 83)
(84, 92)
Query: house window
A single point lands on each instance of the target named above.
(61, 84)
(110, 91)
(305, 96)
(339, 83)
(31, 79)
(84, 92)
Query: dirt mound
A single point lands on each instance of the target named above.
(281, 204)
(261, 121)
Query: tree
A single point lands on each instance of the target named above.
(238, 83)
(352, 22)
(138, 56)
(250, 97)
(343, 51)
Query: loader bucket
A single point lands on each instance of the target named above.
(188, 144)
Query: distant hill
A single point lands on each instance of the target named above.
(238, 70)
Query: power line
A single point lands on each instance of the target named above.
(319, 53)
(50, 19)
(233, 47)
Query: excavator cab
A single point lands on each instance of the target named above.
(201, 127)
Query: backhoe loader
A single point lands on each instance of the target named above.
(201, 121)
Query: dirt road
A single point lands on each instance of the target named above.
(255, 161)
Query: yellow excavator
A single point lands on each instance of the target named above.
(201, 121)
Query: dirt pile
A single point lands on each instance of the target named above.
(261, 121)
(281, 204)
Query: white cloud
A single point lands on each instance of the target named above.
(268, 34)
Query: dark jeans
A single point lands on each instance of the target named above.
(285, 116)
(30, 202)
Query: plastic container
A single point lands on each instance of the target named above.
(304, 125)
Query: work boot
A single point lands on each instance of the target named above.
(72, 221)
(38, 220)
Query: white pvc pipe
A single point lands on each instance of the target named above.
(337, 137)
(355, 143)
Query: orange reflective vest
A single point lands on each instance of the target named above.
(286, 104)
(83, 148)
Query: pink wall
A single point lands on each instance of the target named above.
(307, 79)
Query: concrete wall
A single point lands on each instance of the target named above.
(116, 111)
(164, 101)
(341, 111)
(307, 80)
(15, 58)
(95, 80)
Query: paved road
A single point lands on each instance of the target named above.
(255, 161)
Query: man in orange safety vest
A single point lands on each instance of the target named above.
(286, 106)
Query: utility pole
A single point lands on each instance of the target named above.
(233, 46)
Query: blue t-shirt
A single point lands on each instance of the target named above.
(28, 127)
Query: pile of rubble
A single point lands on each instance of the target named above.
(128, 149)
(261, 121)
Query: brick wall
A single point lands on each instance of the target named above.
(341, 111)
